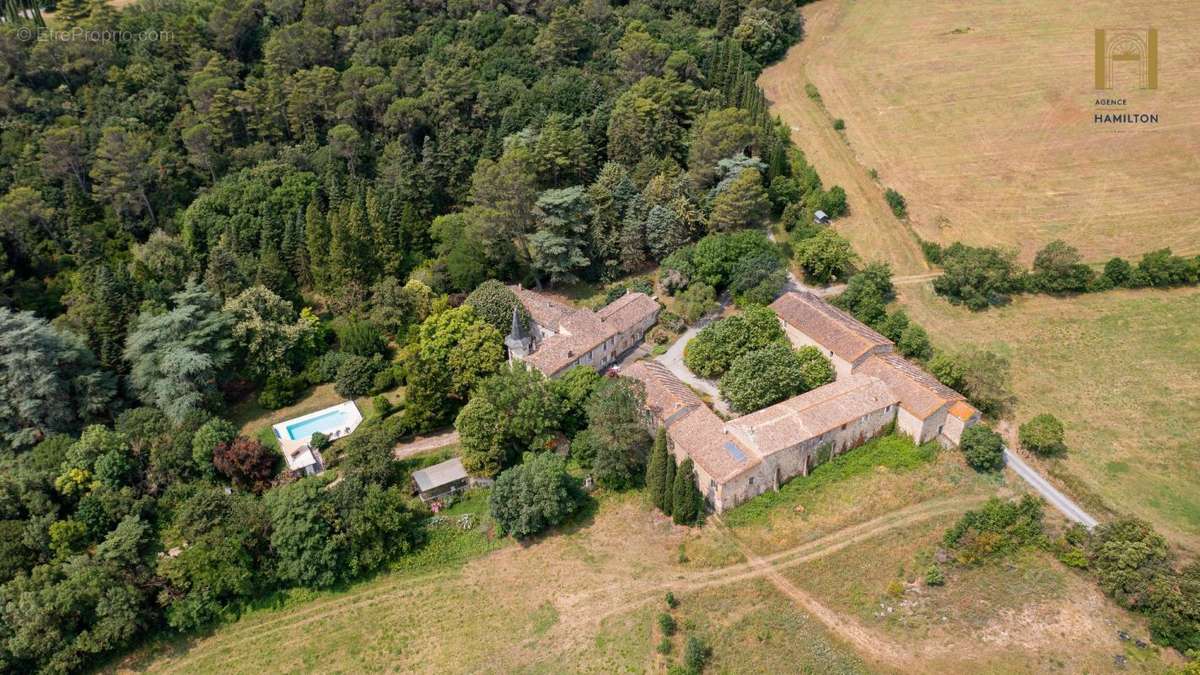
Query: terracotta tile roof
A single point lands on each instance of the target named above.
(693, 428)
(828, 326)
(579, 331)
(543, 310)
(813, 413)
(628, 310)
(920, 393)
(963, 411)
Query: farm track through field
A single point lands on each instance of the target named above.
(580, 614)
(870, 225)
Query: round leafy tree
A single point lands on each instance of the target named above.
(531, 497)
(715, 347)
(984, 449)
(494, 302)
(762, 377)
(1043, 435)
(766, 376)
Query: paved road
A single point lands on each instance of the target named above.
(673, 360)
(1057, 499)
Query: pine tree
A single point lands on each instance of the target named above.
(685, 496)
(316, 244)
(742, 204)
(389, 239)
(72, 12)
(656, 470)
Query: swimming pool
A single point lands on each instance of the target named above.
(330, 421)
(334, 422)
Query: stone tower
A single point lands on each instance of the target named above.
(519, 342)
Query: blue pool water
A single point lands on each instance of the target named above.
(327, 423)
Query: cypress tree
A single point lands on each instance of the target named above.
(656, 470)
(668, 499)
(684, 495)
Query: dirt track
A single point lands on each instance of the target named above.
(875, 232)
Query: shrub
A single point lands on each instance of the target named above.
(997, 528)
(324, 368)
(698, 300)
(932, 252)
(983, 448)
(381, 404)
(1043, 435)
(934, 576)
(356, 376)
(810, 90)
(666, 623)
(671, 321)
(896, 201)
(696, 654)
(320, 441)
(839, 124)
(664, 646)
(361, 338)
(281, 389)
(672, 602)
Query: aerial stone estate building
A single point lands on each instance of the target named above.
(561, 336)
(746, 456)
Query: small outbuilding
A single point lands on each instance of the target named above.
(821, 218)
(440, 480)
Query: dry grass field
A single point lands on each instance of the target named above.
(1122, 370)
(786, 589)
(980, 114)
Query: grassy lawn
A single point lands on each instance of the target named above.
(255, 421)
(887, 475)
(1121, 370)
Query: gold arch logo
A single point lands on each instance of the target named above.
(1127, 59)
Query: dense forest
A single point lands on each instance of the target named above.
(217, 201)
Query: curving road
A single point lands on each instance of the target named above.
(1051, 494)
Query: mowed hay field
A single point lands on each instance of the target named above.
(1121, 370)
(980, 114)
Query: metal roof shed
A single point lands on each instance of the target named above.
(440, 479)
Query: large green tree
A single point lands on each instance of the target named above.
(49, 381)
(512, 412)
(176, 357)
(530, 497)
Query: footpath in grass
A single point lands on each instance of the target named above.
(894, 452)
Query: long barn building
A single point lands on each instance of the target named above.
(738, 459)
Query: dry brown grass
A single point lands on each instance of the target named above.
(1120, 369)
(980, 113)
